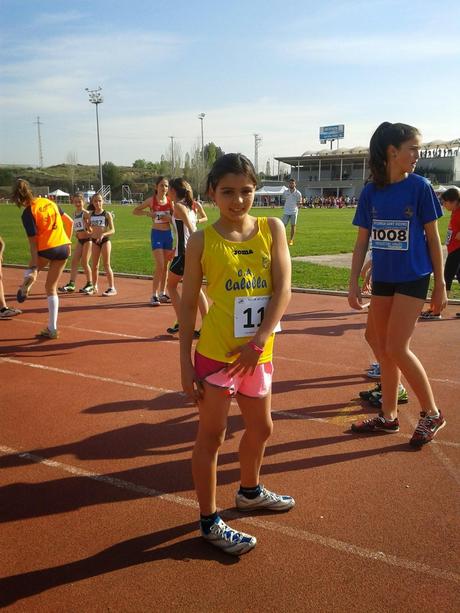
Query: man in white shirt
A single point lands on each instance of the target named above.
(291, 207)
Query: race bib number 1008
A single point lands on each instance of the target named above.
(249, 314)
(390, 234)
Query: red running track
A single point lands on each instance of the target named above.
(97, 504)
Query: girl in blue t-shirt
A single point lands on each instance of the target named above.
(398, 212)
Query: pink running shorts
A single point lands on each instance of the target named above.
(215, 373)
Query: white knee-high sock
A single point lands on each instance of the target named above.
(53, 308)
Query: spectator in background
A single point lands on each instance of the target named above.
(293, 198)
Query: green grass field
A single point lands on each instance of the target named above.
(319, 232)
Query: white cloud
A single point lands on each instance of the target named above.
(68, 64)
(402, 49)
(53, 19)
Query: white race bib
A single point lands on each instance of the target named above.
(98, 221)
(249, 314)
(159, 216)
(390, 234)
(78, 224)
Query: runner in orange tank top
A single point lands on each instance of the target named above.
(48, 229)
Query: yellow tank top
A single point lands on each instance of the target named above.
(239, 285)
(50, 228)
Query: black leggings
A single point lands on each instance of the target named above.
(452, 268)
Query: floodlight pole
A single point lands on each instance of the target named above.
(201, 116)
(173, 164)
(95, 97)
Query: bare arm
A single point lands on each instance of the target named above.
(281, 282)
(33, 263)
(281, 294)
(111, 228)
(359, 255)
(87, 222)
(143, 209)
(201, 216)
(438, 295)
(191, 286)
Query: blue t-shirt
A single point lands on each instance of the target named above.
(395, 216)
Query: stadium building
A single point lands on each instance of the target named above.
(343, 172)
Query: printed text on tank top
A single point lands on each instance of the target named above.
(99, 222)
(161, 213)
(79, 226)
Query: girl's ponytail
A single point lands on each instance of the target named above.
(22, 194)
(183, 190)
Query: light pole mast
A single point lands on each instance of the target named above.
(40, 151)
(201, 116)
(95, 97)
(257, 141)
(172, 155)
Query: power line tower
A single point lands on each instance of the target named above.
(40, 151)
(257, 141)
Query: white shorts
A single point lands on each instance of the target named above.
(289, 217)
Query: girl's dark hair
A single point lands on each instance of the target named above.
(22, 194)
(159, 180)
(183, 190)
(79, 195)
(451, 195)
(91, 206)
(387, 134)
(157, 183)
(230, 163)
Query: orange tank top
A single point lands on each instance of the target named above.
(50, 228)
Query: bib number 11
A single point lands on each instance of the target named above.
(249, 315)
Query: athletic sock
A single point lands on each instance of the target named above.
(250, 492)
(53, 308)
(385, 419)
(207, 521)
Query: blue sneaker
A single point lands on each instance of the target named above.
(229, 540)
(265, 500)
(374, 373)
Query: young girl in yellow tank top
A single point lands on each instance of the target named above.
(247, 266)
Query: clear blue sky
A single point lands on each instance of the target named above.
(278, 69)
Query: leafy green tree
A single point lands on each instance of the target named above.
(211, 153)
(140, 164)
(187, 166)
(6, 176)
(111, 175)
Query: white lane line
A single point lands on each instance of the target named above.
(277, 356)
(295, 533)
(102, 332)
(73, 373)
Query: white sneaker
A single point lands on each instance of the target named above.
(111, 291)
(265, 500)
(9, 312)
(229, 540)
